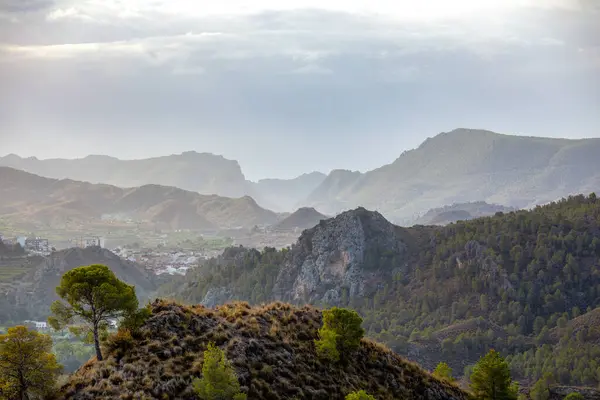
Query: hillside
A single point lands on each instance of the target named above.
(467, 165)
(460, 212)
(439, 293)
(301, 219)
(204, 173)
(271, 348)
(31, 198)
(28, 295)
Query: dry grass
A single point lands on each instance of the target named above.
(271, 347)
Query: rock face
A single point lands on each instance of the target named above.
(344, 256)
(216, 296)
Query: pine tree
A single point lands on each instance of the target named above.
(27, 366)
(218, 381)
(443, 371)
(491, 379)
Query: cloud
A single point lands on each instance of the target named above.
(69, 13)
(218, 78)
(24, 6)
(312, 69)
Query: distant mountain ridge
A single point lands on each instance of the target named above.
(461, 212)
(204, 173)
(463, 165)
(28, 197)
(467, 165)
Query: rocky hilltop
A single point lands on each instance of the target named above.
(271, 348)
(337, 256)
(303, 218)
(28, 296)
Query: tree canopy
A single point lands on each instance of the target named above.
(491, 379)
(443, 371)
(342, 327)
(93, 296)
(27, 366)
(218, 381)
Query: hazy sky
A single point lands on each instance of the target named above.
(290, 86)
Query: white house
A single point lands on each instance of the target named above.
(21, 240)
(41, 325)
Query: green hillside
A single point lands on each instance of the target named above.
(450, 293)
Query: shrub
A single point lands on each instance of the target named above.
(120, 342)
(343, 327)
(135, 320)
(574, 396)
(444, 372)
(327, 346)
(360, 395)
(218, 381)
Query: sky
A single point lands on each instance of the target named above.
(287, 87)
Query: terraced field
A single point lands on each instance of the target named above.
(12, 268)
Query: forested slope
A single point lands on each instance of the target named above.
(517, 282)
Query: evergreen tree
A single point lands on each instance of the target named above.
(491, 379)
(443, 371)
(94, 295)
(27, 366)
(343, 326)
(218, 381)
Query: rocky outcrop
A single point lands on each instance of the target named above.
(344, 256)
(216, 296)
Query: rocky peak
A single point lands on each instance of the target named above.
(349, 255)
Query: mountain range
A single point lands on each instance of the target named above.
(203, 173)
(463, 165)
(51, 202)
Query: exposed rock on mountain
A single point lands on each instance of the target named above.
(30, 295)
(271, 348)
(467, 165)
(303, 218)
(27, 197)
(336, 256)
